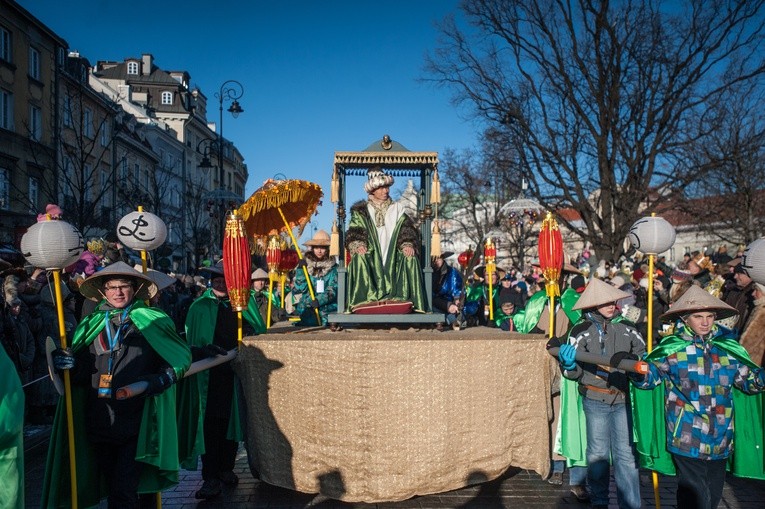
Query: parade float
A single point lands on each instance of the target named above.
(387, 408)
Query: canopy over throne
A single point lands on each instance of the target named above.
(396, 160)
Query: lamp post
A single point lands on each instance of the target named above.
(230, 90)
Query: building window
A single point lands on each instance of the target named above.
(137, 174)
(33, 194)
(5, 189)
(124, 170)
(60, 56)
(132, 68)
(104, 133)
(35, 122)
(34, 63)
(167, 98)
(87, 184)
(87, 123)
(67, 111)
(6, 109)
(5, 45)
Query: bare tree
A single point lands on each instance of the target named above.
(598, 98)
(729, 203)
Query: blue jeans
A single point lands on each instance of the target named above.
(577, 476)
(609, 437)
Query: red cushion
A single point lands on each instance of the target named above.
(384, 307)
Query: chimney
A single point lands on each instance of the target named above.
(147, 60)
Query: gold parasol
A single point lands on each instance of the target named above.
(281, 205)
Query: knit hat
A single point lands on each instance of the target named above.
(320, 239)
(597, 293)
(695, 299)
(376, 179)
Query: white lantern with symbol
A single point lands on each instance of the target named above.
(142, 231)
(753, 261)
(52, 244)
(652, 235)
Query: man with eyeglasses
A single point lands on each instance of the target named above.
(126, 446)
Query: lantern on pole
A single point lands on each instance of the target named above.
(273, 259)
(288, 262)
(551, 262)
(489, 256)
(652, 235)
(54, 245)
(753, 261)
(236, 267)
(142, 231)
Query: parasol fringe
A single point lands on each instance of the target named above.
(435, 189)
(435, 241)
(334, 240)
(334, 195)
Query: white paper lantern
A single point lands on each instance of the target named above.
(652, 235)
(754, 261)
(52, 244)
(142, 231)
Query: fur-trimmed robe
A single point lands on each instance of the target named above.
(753, 337)
(384, 272)
(326, 271)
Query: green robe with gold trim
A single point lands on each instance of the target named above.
(158, 437)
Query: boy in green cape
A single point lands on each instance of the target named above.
(688, 428)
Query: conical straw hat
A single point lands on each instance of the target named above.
(91, 287)
(597, 293)
(696, 299)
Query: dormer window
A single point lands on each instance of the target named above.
(132, 68)
(167, 98)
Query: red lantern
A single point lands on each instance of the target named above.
(551, 254)
(236, 262)
(464, 258)
(288, 261)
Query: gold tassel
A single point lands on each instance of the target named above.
(334, 241)
(334, 194)
(435, 188)
(435, 241)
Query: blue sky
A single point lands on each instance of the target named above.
(318, 77)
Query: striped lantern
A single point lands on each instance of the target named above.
(551, 254)
(754, 260)
(236, 262)
(52, 244)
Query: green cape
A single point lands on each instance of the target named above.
(748, 458)
(527, 318)
(192, 392)
(11, 435)
(158, 438)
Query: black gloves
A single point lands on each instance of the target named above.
(301, 263)
(315, 304)
(63, 358)
(202, 352)
(553, 342)
(160, 382)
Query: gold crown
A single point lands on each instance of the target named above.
(96, 246)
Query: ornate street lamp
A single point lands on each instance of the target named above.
(520, 214)
(230, 90)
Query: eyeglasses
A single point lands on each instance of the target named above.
(113, 289)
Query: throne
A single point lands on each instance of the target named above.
(397, 161)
